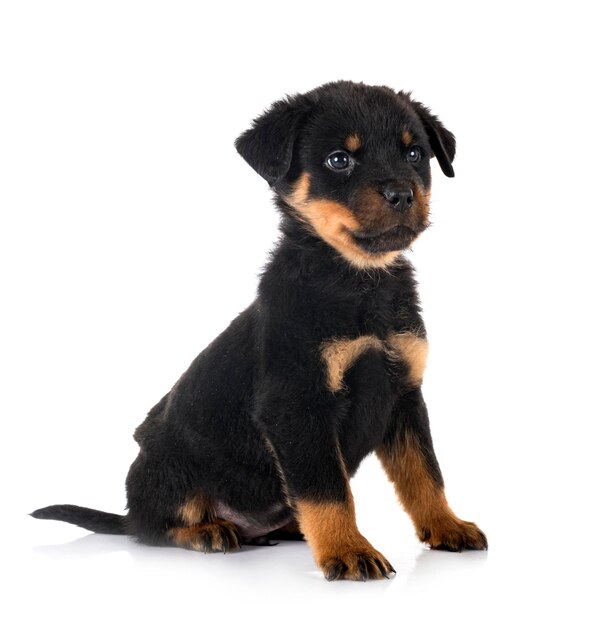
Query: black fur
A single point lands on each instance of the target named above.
(90, 519)
(442, 141)
(251, 424)
(268, 145)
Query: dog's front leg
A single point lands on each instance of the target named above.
(409, 459)
(300, 432)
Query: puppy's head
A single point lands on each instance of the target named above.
(352, 162)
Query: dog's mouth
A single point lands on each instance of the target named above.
(396, 237)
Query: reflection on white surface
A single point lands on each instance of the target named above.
(284, 567)
(113, 577)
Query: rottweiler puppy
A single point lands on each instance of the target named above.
(259, 437)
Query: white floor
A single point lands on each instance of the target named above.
(132, 233)
(539, 570)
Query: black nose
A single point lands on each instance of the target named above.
(398, 196)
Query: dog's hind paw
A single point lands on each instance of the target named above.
(216, 536)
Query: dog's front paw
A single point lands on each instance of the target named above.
(454, 535)
(356, 564)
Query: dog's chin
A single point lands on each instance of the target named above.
(391, 240)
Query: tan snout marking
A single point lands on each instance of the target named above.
(340, 354)
(422, 200)
(333, 222)
(352, 142)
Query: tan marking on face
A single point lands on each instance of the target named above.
(352, 142)
(196, 509)
(340, 354)
(411, 349)
(422, 199)
(374, 211)
(424, 501)
(407, 138)
(332, 222)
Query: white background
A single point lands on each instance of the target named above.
(132, 233)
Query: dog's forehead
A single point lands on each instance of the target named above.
(374, 115)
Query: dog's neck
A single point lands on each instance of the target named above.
(305, 273)
(311, 252)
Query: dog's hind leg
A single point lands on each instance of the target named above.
(288, 532)
(165, 511)
(201, 530)
(216, 536)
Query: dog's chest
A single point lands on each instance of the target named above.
(405, 355)
(369, 374)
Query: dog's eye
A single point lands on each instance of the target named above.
(414, 154)
(339, 161)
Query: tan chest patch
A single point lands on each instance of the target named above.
(411, 349)
(340, 354)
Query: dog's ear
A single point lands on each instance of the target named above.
(268, 145)
(441, 140)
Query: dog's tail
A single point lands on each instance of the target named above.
(90, 519)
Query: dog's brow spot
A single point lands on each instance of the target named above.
(352, 142)
(407, 138)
